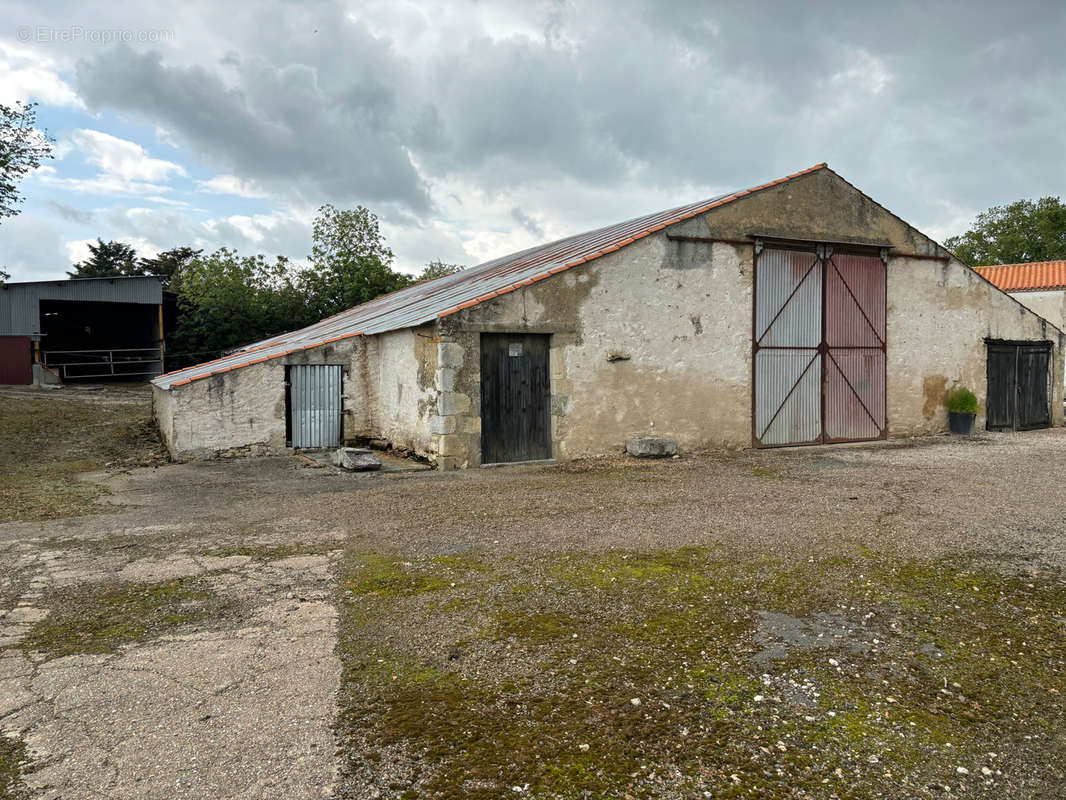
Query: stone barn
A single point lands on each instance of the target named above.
(796, 312)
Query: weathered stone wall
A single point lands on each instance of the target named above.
(238, 411)
(655, 339)
(243, 410)
(406, 394)
(939, 315)
(643, 342)
(1050, 305)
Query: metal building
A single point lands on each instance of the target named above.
(82, 329)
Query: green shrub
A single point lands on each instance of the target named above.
(962, 401)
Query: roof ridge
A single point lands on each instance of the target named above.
(431, 300)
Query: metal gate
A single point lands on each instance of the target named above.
(515, 398)
(818, 344)
(1018, 390)
(314, 405)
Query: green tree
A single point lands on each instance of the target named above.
(108, 260)
(22, 148)
(350, 262)
(1014, 234)
(226, 300)
(169, 265)
(438, 269)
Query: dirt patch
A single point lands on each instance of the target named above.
(46, 442)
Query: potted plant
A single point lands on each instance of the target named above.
(962, 409)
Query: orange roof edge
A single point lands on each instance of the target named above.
(1029, 277)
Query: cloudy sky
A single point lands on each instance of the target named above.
(474, 129)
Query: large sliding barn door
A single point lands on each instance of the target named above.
(819, 346)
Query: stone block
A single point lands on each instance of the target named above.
(446, 379)
(442, 425)
(449, 355)
(449, 403)
(356, 459)
(451, 445)
(651, 447)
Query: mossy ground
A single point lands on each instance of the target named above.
(524, 674)
(45, 444)
(100, 619)
(264, 552)
(12, 763)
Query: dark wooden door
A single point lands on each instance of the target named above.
(1002, 387)
(1018, 386)
(515, 398)
(1033, 408)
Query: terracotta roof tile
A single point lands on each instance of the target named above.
(1032, 277)
(425, 302)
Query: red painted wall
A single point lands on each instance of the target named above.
(16, 360)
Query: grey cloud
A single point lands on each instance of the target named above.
(527, 222)
(72, 214)
(917, 102)
(280, 125)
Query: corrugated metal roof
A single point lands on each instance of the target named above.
(1032, 277)
(431, 300)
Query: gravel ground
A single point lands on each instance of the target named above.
(863, 621)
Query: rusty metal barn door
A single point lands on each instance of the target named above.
(818, 346)
(315, 405)
(515, 398)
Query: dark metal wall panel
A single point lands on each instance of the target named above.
(20, 302)
(315, 392)
(515, 398)
(16, 360)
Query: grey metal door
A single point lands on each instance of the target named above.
(787, 345)
(315, 405)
